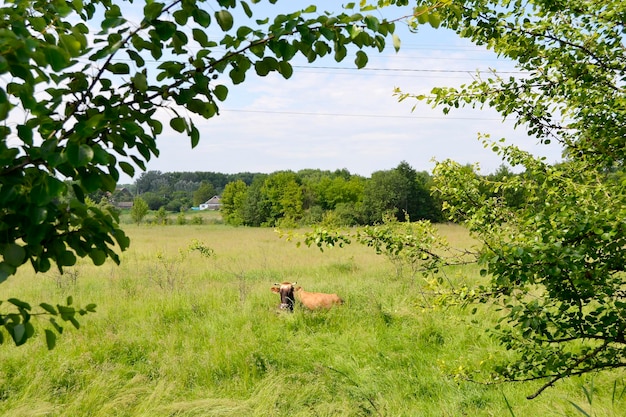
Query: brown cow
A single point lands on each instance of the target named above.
(286, 294)
(316, 300)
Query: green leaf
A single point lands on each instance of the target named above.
(74, 322)
(422, 14)
(179, 124)
(71, 44)
(152, 10)
(79, 155)
(57, 58)
(127, 168)
(18, 333)
(194, 134)
(6, 271)
(200, 36)
(118, 68)
(224, 19)
(237, 76)
(97, 256)
(38, 23)
(66, 258)
(340, 52)
(246, 9)
(14, 254)
(19, 303)
(140, 82)
(361, 59)
(396, 42)
(434, 19)
(56, 326)
(51, 339)
(181, 16)
(243, 32)
(372, 23)
(285, 69)
(220, 92)
(164, 30)
(201, 17)
(49, 308)
(265, 66)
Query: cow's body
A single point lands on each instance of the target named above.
(316, 300)
(312, 300)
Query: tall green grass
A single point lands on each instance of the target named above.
(180, 334)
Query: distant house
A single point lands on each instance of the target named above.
(122, 198)
(213, 203)
(123, 194)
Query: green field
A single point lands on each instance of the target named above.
(179, 334)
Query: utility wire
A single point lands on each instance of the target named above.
(404, 69)
(380, 116)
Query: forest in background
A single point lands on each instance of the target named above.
(294, 198)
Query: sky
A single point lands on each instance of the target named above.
(332, 116)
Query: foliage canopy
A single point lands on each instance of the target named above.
(557, 263)
(83, 102)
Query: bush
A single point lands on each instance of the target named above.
(161, 216)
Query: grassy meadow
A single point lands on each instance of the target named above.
(180, 334)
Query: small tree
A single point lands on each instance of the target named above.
(139, 210)
(233, 200)
(203, 193)
(557, 264)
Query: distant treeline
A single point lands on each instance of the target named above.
(176, 191)
(288, 198)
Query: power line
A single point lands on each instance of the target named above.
(444, 71)
(380, 116)
(305, 68)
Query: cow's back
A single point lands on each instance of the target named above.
(317, 300)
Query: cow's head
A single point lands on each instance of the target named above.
(286, 294)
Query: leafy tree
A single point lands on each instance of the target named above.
(139, 210)
(233, 200)
(409, 201)
(339, 190)
(82, 106)
(428, 206)
(283, 193)
(203, 193)
(556, 264)
(256, 208)
(175, 205)
(161, 217)
(149, 181)
(154, 200)
(386, 192)
(513, 197)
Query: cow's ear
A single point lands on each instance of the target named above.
(274, 289)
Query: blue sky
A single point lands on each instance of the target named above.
(331, 116)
